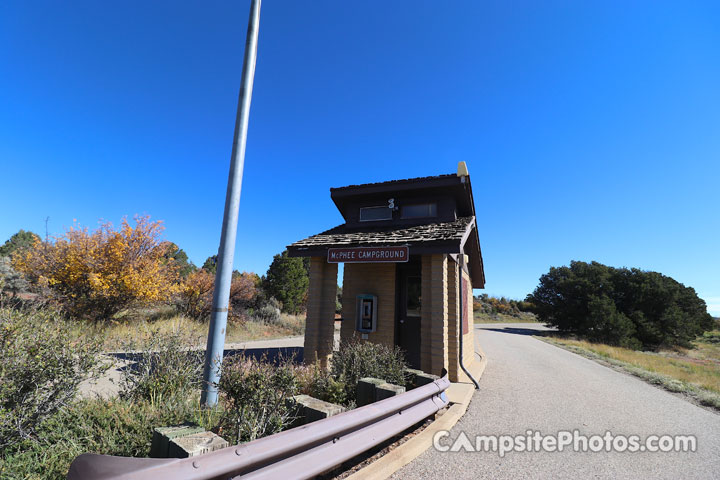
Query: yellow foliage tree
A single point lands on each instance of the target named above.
(97, 274)
(196, 293)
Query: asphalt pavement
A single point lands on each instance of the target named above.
(529, 385)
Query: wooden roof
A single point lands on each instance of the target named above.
(454, 237)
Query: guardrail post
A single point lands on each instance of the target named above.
(387, 390)
(366, 390)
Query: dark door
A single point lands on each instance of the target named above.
(408, 289)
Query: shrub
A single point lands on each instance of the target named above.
(268, 313)
(357, 359)
(41, 368)
(620, 306)
(97, 274)
(166, 370)
(317, 382)
(486, 304)
(11, 281)
(256, 395)
(196, 294)
(120, 427)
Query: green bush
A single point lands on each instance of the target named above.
(269, 312)
(620, 306)
(119, 427)
(41, 366)
(317, 382)
(356, 359)
(166, 370)
(287, 280)
(256, 396)
(11, 282)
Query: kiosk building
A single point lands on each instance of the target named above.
(404, 244)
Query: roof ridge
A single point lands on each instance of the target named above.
(389, 182)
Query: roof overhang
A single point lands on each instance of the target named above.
(461, 239)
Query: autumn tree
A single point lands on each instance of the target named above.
(97, 274)
(196, 294)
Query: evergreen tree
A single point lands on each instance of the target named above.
(620, 306)
(20, 241)
(178, 255)
(210, 264)
(287, 280)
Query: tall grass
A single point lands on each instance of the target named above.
(695, 372)
(115, 334)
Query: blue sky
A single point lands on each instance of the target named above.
(591, 129)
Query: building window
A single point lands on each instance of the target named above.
(420, 210)
(369, 214)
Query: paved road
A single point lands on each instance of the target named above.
(531, 385)
(108, 385)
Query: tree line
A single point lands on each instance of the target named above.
(97, 274)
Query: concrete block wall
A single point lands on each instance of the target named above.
(375, 279)
(320, 321)
(453, 319)
(455, 325)
(434, 321)
(439, 311)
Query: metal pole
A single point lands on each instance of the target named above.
(226, 252)
(461, 263)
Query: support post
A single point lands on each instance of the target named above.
(226, 252)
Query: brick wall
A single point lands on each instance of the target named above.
(375, 279)
(439, 311)
(453, 317)
(455, 325)
(320, 322)
(439, 323)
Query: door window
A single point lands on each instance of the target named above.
(413, 297)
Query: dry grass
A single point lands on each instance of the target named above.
(695, 372)
(118, 334)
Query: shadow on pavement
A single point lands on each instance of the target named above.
(518, 331)
(270, 354)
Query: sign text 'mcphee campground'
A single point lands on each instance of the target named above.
(368, 255)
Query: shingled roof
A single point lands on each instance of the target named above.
(429, 234)
(393, 183)
(453, 230)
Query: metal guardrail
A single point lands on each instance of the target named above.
(301, 452)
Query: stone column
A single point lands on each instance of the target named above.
(439, 309)
(453, 320)
(320, 321)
